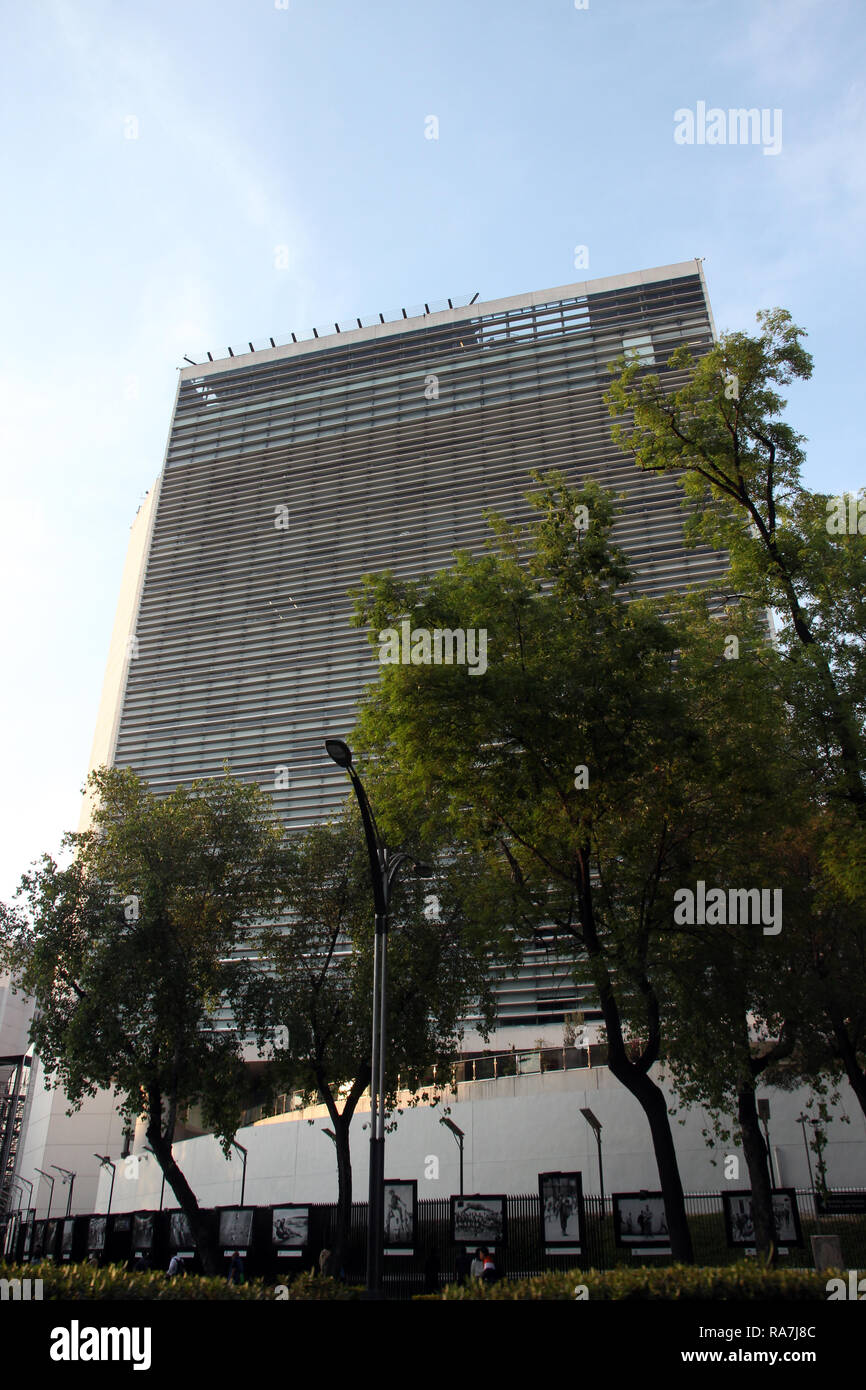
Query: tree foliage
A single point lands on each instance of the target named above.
(132, 954)
(318, 987)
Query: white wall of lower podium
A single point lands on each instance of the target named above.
(515, 1127)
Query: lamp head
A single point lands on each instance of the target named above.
(339, 752)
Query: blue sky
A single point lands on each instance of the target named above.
(255, 128)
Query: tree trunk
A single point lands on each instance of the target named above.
(635, 1075)
(848, 1055)
(652, 1101)
(343, 1220)
(341, 1120)
(204, 1240)
(759, 1175)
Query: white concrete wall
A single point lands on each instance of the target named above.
(119, 652)
(515, 1128)
(15, 1015)
(52, 1136)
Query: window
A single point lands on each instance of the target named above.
(639, 345)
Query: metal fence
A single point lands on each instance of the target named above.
(523, 1253)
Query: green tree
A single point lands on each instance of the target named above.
(581, 762)
(318, 987)
(128, 954)
(802, 554)
(739, 463)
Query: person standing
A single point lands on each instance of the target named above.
(476, 1268)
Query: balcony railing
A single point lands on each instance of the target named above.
(487, 1066)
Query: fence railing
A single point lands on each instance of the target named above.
(484, 1067)
(433, 1258)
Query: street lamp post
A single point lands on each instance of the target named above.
(30, 1207)
(48, 1178)
(243, 1153)
(764, 1117)
(15, 1216)
(384, 864)
(105, 1162)
(595, 1125)
(29, 1201)
(70, 1178)
(19, 1183)
(459, 1135)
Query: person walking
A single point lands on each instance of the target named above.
(488, 1272)
(175, 1265)
(477, 1266)
(236, 1269)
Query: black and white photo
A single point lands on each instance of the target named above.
(291, 1227)
(142, 1230)
(236, 1227)
(180, 1235)
(39, 1239)
(478, 1220)
(401, 1196)
(561, 1198)
(739, 1220)
(639, 1219)
(96, 1233)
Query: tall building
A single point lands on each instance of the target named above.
(293, 470)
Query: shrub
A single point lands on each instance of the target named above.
(76, 1282)
(316, 1287)
(686, 1282)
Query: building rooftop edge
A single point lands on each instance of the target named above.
(445, 316)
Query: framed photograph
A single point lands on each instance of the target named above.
(562, 1219)
(180, 1235)
(401, 1202)
(28, 1239)
(66, 1239)
(478, 1220)
(290, 1227)
(51, 1238)
(142, 1230)
(840, 1203)
(236, 1227)
(639, 1219)
(739, 1223)
(96, 1233)
(39, 1239)
(122, 1224)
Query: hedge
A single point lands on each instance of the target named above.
(736, 1281)
(82, 1282)
(743, 1281)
